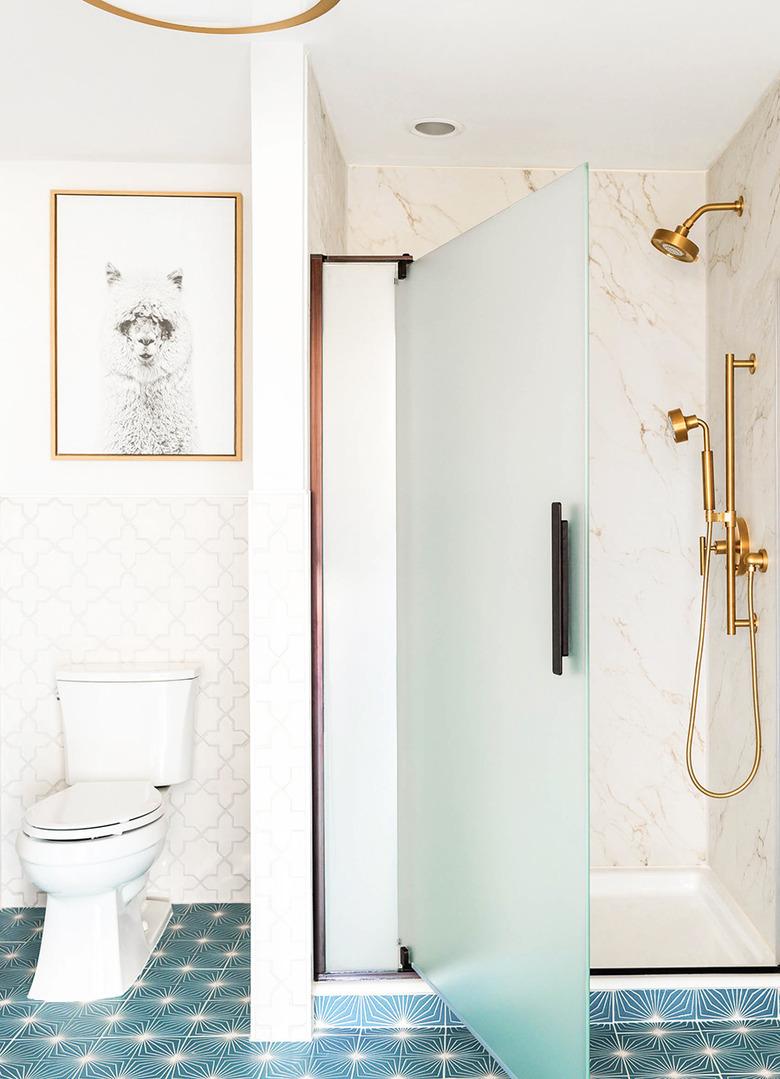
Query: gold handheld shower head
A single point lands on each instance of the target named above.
(677, 244)
(681, 425)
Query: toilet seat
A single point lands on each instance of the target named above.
(89, 811)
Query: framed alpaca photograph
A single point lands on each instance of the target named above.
(146, 309)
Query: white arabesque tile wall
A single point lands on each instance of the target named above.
(130, 579)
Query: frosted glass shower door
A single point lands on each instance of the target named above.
(493, 847)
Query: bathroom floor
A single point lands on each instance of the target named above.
(187, 1017)
(686, 1033)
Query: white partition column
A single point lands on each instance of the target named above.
(279, 553)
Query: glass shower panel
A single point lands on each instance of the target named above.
(493, 846)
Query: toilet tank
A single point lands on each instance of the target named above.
(128, 721)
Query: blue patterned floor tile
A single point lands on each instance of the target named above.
(470, 1067)
(22, 1051)
(749, 1063)
(345, 1042)
(20, 933)
(202, 935)
(159, 1005)
(209, 915)
(748, 1035)
(601, 1007)
(247, 1067)
(17, 1004)
(654, 1005)
(155, 981)
(187, 1018)
(337, 1011)
(404, 1011)
(12, 916)
(322, 1067)
(413, 1041)
(232, 1006)
(608, 1064)
(659, 1029)
(207, 951)
(738, 1004)
(18, 957)
(389, 1066)
(13, 1025)
(16, 979)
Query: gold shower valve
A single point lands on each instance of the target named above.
(757, 560)
(741, 545)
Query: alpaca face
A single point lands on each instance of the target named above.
(146, 335)
(147, 329)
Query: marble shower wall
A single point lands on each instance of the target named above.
(147, 579)
(327, 179)
(647, 331)
(742, 280)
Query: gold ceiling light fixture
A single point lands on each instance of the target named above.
(677, 244)
(143, 12)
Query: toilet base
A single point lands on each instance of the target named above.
(94, 947)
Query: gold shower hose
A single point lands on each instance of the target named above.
(697, 674)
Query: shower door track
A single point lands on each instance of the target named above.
(607, 972)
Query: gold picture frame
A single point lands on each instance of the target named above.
(237, 383)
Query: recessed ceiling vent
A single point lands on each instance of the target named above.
(436, 128)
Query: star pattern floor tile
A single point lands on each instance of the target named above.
(187, 1017)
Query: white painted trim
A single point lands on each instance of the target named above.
(614, 982)
(373, 987)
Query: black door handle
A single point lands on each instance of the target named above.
(560, 589)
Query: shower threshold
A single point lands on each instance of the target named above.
(652, 919)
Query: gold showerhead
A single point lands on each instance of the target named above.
(677, 244)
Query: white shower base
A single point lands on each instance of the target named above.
(669, 918)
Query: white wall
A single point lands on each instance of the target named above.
(115, 560)
(647, 331)
(359, 616)
(279, 552)
(26, 467)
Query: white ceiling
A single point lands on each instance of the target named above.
(621, 83)
(78, 83)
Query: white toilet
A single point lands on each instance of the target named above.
(128, 730)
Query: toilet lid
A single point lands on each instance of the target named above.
(92, 810)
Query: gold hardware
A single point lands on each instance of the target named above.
(708, 480)
(677, 244)
(758, 560)
(309, 15)
(739, 559)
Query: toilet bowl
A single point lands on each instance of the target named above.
(128, 730)
(90, 848)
